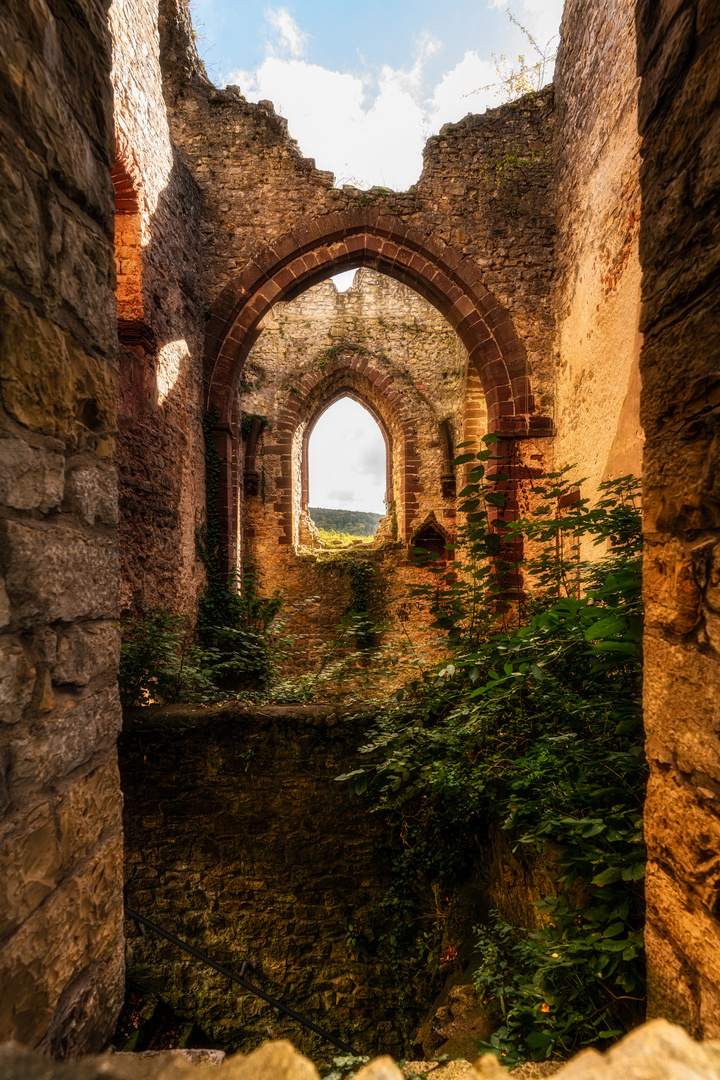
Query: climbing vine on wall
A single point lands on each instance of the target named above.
(531, 725)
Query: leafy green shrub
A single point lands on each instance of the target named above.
(160, 662)
(233, 625)
(533, 724)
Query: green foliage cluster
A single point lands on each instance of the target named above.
(355, 523)
(341, 538)
(532, 725)
(363, 587)
(160, 660)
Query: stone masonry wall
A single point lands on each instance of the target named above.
(61, 945)
(597, 164)
(160, 459)
(679, 65)
(240, 842)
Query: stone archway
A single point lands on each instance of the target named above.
(393, 403)
(316, 250)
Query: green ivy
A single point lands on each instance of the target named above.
(532, 724)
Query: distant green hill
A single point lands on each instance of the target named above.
(352, 522)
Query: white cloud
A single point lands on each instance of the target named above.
(371, 130)
(291, 36)
(363, 144)
(459, 92)
(347, 459)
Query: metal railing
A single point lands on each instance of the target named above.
(240, 979)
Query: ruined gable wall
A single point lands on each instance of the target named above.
(597, 163)
(61, 948)
(679, 62)
(256, 186)
(378, 326)
(160, 460)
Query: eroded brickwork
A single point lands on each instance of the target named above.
(679, 63)
(388, 348)
(61, 947)
(160, 461)
(474, 236)
(598, 190)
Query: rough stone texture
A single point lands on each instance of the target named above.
(61, 959)
(239, 842)
(158, 227)
(656, 1051)
(598, 191)
(679, 64)
(389, 349)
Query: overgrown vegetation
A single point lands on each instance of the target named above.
(166, 658)
(523, 78)
(532, 725)
(356, 524)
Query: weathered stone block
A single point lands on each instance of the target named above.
(58, 964)
(682, 836)
(690, 928)
(682, 704)
(58, 62)
(17, 680)
(5, 612)
(85, 651)
(91, 806)
(673, 599)
(58, 574)
(70, 737)
(29, 864)
(71, 394)
(30, 478)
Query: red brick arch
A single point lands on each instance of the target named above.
(326, 245)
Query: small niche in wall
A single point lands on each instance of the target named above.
(430, 545)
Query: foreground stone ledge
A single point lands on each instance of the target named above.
(656, 1051)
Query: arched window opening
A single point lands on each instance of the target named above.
(347, 473)
(132, 329)
(447, 479)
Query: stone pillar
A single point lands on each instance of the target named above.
(679, 64)
(61, 949)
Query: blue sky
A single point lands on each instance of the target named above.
(363, 85)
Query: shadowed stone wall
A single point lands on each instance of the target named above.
(61, 946)
(160, 458)
(679, 64)
(240, 842)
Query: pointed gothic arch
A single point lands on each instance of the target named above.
(321, 247)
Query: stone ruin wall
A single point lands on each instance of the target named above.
(160, 445)
(288, 874)
(679, 63)
(256, 187)
(59, 790)
(61, 945)
(283, 867)
(597, 382)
